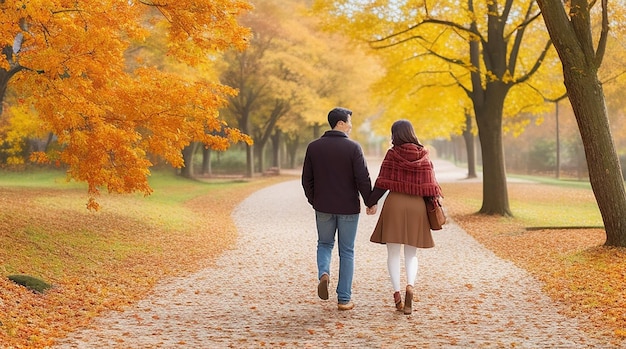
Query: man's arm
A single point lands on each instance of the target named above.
(361, 174)
(307, 178)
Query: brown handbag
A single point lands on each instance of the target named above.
(436, 216)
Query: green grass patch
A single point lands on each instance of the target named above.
(37, 179)
(566, 183)
(544, 202)
(538, 213)
(32, 283)
(163, 208)
(167, 185)
(170, 188)
(53, 229)
(555, 203)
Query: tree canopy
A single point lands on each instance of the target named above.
(450, 59)
(70, 65)
(292, 74)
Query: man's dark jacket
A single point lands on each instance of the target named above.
(334, 173)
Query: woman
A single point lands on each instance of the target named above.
(407, 173)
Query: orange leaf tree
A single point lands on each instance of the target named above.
(70, 62)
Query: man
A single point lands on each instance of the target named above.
(333, 175)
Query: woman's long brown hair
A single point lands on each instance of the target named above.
(402, 132)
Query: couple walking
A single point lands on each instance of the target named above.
(335, 173)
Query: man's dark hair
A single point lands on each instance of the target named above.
(338, 114)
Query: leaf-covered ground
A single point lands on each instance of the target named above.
(589, 278)
(103, 260)
(110, 259)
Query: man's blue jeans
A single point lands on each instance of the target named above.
(345, 226)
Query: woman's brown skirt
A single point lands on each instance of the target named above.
(403, 220)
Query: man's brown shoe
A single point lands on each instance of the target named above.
(322, 287)
(345, 306)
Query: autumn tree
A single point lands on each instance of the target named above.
(250, 72)
(485, 50)
(293, 72)
(345, 74)
(581, 54)
(290, 134)
(67, 63)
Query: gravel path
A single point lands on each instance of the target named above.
(263, 294)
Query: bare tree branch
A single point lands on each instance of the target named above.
(472, 34)
(537, 64)
(580, 19)
(547, 99)
(529, 19)
(519, 35)
(603, 35)
(507, 9)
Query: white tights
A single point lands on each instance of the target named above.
(393, 264)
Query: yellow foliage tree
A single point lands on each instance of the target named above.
(292, 75)
(484, 53)
(67, 61)
(18, 125)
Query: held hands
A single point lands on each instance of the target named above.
(371, 210)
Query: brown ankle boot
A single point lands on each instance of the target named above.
(398, 299)
(408, 300)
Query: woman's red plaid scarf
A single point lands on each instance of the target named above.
(408, 169)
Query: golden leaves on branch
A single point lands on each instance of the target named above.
(108, 116)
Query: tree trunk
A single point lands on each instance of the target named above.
(6, 75)
(558, 140)
(249, 161)
(495, 191)
(317, 130)
(468, 136)
(4, 83)
(489, 121)
(259, 152)
(605, 173)
(244, 126)
(573, 42)
(188, 152)
(265, 133)
(206, 161)
(276, 148)
(488, 102)
(292, 144)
